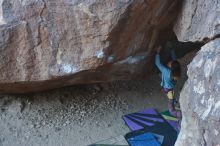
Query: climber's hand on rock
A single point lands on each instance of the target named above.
(158, 49)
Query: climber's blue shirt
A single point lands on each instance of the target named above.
(166, 80)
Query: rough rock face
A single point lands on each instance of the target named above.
(200, 99)
(198, 20)
(53, 43)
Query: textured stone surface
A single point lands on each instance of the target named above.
(200, 99)
(53, 43)
(198, 20)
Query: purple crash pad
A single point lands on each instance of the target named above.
(171, 120)
(174, 124)
(149, 120)
(147, 117)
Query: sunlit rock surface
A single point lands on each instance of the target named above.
(198, 20)
(200, 99)
(48, 44)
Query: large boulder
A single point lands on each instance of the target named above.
(199, 20)
(47, 44)
(200, 99)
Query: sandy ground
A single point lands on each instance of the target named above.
(78, 116)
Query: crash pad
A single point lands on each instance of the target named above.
(173, 121)
(138, 120)
(149, 120)
(113, 141)
(145, 139)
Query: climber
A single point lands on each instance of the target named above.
(169, 75)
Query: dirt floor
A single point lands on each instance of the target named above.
(78, 116)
